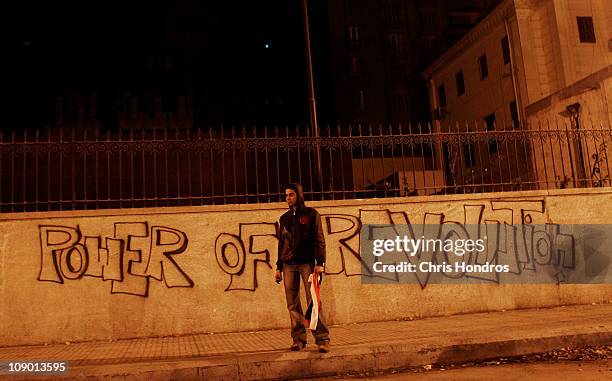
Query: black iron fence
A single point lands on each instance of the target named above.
(65, 169)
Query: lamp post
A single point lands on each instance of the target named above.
(312, 103)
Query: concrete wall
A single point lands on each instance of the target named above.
(550, 44)
(593, 94)
(595, 115)
(583, 59)
(210, 269)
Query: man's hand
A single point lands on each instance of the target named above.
(278, 277)
(319, 269)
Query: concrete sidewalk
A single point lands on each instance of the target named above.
(355, 347)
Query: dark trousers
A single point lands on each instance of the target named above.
(291, 276)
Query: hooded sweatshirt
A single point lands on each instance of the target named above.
(300, 235)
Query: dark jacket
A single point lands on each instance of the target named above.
(300, 235)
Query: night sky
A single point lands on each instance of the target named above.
(241, 61)
(218, 50)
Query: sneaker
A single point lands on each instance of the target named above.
(323, 347)
(297, 346)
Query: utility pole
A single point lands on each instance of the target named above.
(312, 103)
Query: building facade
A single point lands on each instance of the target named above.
(374, 51)
(521, 53)
(537, 65)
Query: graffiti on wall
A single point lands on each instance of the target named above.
(138, 252)
(239, 255)
(134, 254)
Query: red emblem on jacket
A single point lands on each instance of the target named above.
(304, 220)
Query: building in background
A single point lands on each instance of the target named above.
(187, 64)
(371, 55)
(368, 57)
(536, 64)
(150, 65)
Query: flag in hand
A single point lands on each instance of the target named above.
(311, 318)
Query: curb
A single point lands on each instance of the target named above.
(309, 363)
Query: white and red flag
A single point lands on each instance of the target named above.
(311, 318)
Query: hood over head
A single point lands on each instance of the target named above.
(297, 187)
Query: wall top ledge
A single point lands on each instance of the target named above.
(316, 204)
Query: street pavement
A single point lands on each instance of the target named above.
(600, 370)
(374, 346)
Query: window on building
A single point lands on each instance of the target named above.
(350, 5)
(484, 68)
(514, 114)
(586, 29)
(506, 49)
(354, 35)
(460, 83)
(490, 122)
(442, 96)
(360, 100)
(428, 23)
(427, 44)
(392, 13)
(395, 41)
(356, 64)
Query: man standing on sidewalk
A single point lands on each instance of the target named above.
(301, 251)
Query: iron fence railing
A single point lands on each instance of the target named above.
(65, 169)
